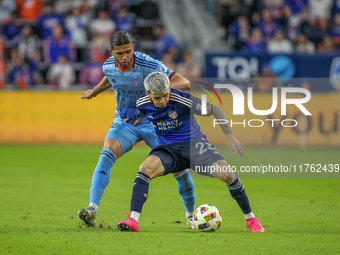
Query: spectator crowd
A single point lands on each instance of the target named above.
(65, 42)
(280, 26)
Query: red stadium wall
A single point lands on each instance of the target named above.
(61, 117)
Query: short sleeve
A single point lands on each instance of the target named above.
(189, 103)
(143, 102)
(196, 107)
(162, 68)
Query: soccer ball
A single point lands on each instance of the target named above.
(207, 218)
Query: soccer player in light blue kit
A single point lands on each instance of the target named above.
(125, 71)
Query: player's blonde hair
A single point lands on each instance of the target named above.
(156, 83)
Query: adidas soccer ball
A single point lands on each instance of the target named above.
(207, 218)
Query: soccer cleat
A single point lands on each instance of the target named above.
(87, 215)
(190, 222)
(128, 225)
(254, 225)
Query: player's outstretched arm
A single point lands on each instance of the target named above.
(177, 81)
(103, 85)
(233, 144)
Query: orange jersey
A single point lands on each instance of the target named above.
(30, 9)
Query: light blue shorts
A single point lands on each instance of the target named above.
(129, 135)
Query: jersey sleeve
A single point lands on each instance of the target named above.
(189, 103)
(143, 102)
(197, 107)
(162, 68)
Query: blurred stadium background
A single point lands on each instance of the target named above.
(50, 51)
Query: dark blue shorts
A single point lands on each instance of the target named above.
(177, 157)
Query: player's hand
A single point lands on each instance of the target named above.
(235, 145)
(87, 94)
(131, 114)
(136, 121)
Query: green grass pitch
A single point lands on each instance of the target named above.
(43, 186)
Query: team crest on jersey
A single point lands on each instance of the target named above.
(173, 115)
(162, 68)
(136, 83)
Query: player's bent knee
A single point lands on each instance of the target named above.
(114, 146)
(152, 167)
(146, 169)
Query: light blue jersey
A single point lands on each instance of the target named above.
(129, 84)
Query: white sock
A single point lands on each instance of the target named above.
(94, 206)
(135, 215)
(188, 214)
(249, 215)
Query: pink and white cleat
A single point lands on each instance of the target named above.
(128, 225)
(254, 225)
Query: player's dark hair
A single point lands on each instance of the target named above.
(120, 38)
